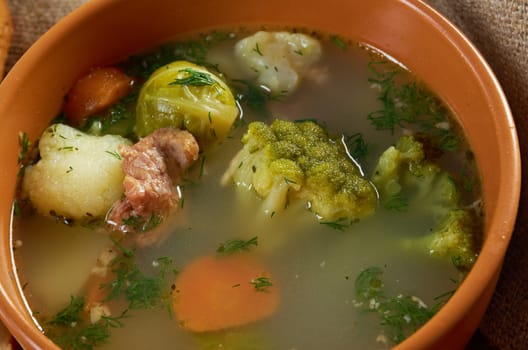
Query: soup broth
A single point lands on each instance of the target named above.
(314, 263)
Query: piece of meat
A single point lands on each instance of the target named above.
(153, 167)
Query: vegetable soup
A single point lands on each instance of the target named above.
(277, 189)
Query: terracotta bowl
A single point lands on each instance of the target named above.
(103, 31)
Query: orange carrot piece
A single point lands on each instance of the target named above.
(215, 293)
(96, 91)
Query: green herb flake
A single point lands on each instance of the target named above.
(356, 145)
(25, 145)
(236, 245)
(257, 50)
(68, 148)
(396, 202)
(340, 224)
(409, 105)
(261, 284)
(338, 42)
(141, 224)
(400, 315)
(114, 154)
(194, 78)
(71, 313)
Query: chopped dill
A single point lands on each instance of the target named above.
(257, 50)
(356, 145)
(118, 119)
(70, 313)
(25, 145)
(340, 224)
(70, 330)
(400, 315)
(290, 181)
(194, 78)
(396, 202)
(236, 245)
(140, 290)
(261, 284)
(195, 51)
(337, 41)
(140, 224)
(68, 148)
(114, 154)
(410, 105)
(254, 96)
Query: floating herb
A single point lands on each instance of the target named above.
(396, 202)
(257, 50)
(141, 224)
(25, 145)
(236, 245)
(340, 224)
(356, 145)
(400, 315)
(194, 78)
(338, 42)
(114, 154)
(261, 284)
(410, 105)
(140, 290)
(69, 330)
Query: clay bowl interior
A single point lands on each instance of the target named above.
(104, 31)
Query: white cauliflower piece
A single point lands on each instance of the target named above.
(78, 175)
(278, 60)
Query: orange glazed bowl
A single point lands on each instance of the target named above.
(104, 31)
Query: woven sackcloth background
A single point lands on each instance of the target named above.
(499, 29)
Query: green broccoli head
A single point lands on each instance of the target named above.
(290, 161)
(403, 171)
(456, 238)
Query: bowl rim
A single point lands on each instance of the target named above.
(488, 272)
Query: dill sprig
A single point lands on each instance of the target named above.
(356, 145)
(340, 224)
(140, 290)
(396, 202)
(142, 66)
(194, 78)
(236, 245)
(400, 315)
(118, 119)
(141, 224)
(25, 145)
(410, 105)
(70, 330)
(261, 284)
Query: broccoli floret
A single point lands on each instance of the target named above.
(455, 238)
(404, 172)
(290, 161)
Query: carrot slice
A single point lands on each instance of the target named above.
(96, 91)
(215, 293)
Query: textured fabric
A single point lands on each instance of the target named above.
(499, 30)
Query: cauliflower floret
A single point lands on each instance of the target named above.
(78, 175)
(278, 60)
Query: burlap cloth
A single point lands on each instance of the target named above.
(499, 28)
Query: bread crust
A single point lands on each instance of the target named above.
(6, 30)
